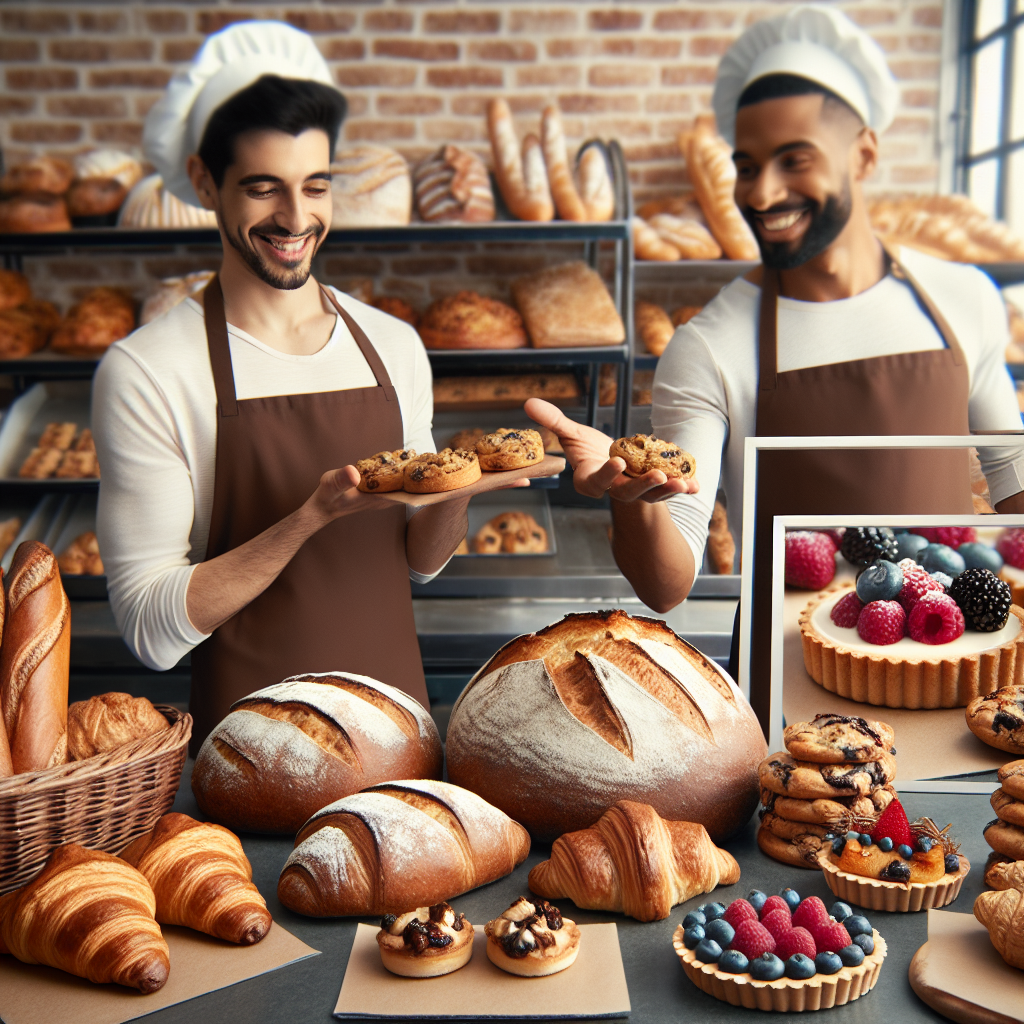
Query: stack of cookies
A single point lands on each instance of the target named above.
(833, 767)
(1005, 868)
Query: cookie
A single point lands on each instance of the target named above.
(1004, 872)
(530, 541)
(1011, 777)
(446, 470)
(41, 463)
(834, 739)
(644, 452)
(998, 719)
(783, 774)
(487, 540)
(58, 435)
(466, 438)
(1005, 838)
(509, 449)
(1007, 808)
(828, 812)
(511, 533)
(384, 471)
(791, 830)
(798, 853)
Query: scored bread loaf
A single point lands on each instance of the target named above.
(150, 205)
(600, 707)
(108, 721)
(453, 185)
(287, 750)
(370, 186)
(409, 843)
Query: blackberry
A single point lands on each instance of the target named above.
(862, 545)
(983, 598)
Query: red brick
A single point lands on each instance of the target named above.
(614, 20)
(668, 103)
(362, 75)
(45, 131)
(710, 46)
(414, 49)
(17, 104)
(102, 21)
(914, 174)
(321, 21)
(143, 104)
(649, 151)
(868, 17)
(473, 106)
(36, 79)
(142, 78)
(670, 127)
(86, 106)
(541, 22)
(179, 51)
(910, 126)
(358, 104)
(549, 75)
(890, 42)
(464, 22)
(892, 150)
(914, 69)
(465, 78)
(387, 21)
(165, 21)
(919, 98)
(928, 17)
(620, 128)
(680, 21)
(36, 22)
(620, 75)
(343, 49)
(921, 42)
(208, 22)
(379, 131)
(408, 106)
(448, 130)
(335, 266)
(19, 49)
(504, 264)
(672, 174)
(128, 133)
(91, 51)
(418, 266)
(589, 103)
(505, 52)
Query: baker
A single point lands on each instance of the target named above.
(227, 429)
(831, 335)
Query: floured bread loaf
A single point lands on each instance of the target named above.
(371, 187)
(150, 205)
(453, 185)
(285, 751)
(601, 707)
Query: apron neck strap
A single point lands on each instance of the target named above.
(768, 330)
(220, 350)
(380, 372)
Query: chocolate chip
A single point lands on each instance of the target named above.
(531, 455)
(387, 921)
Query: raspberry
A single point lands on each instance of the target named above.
(810, 559)
(936, 619)
(831, 936)
(796, 940)
(916, 583)
(775, 903)
(1011, 546)
(811, 912)
(893, 823)
(836, 535)
(752, 939)
(983, 598)
(863, 545)
(953, 536)
(778, 923)
(881, 622)
(846, 611)
(737, 911)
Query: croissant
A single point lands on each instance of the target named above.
(89, 914)
(1002, 913)
(634, 862)
(1003, 873)
(202, 879)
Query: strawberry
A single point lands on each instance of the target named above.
(778, 922)
(953, 536)
(846, 611)
(916, 583)
(893, 823)
(810, 913)
(775, 903)
(936, 619)
(752, 939)
(830, 935)
(1011, 546)
(739, 910)
(796, 940)
(881, 622)
(810, 559)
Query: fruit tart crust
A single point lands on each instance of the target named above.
(820, 992)
(893, 897)
(886, 681)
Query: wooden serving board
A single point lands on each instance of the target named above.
(550, 465)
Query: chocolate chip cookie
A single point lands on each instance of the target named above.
(509, 449)
(644, 452)
(1011, 777)
(828, 812)
(783, 774)
(1005, 838)
(998, 719)
(1007, 808)
(801, 852)
(466, 438)
(446, 470)
(511, 533)
(384, 471)
(789, 830)
(833, 739)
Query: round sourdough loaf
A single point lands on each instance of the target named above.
(600, 707)
(284, 752)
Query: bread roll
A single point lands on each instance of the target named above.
(453, 185)
(601, 707)
(104, 316)
(43, 174)
(150, 205)
(20, 334)
(95, 197)
(109, 164)
(512, 389)
(14, 289)
(654, 327)
(285, 751)
(649, 245)
(108, 721)
(690, 237)
(370, 187)
(34, 659)
(469, 320)
(34, 213)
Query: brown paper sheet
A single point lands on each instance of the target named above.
(32, 994)
(594, 986)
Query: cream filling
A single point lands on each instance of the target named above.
(510, 921)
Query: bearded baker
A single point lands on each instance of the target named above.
(228, 517)
(832, 335)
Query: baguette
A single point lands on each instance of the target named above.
(689, 236)
(595, 180)
(649, 245)
(522, 178)
(567, 200)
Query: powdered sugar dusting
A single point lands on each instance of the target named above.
(327, 855)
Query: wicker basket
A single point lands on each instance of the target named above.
(103, 802)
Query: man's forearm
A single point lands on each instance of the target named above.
(652, 554)
(1013, 505)
(434, 533)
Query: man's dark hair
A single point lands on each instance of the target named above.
(282, 104)
(774, 87)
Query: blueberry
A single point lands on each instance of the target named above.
(838, 845)
(732, 961)
(924, 844)
(721, 931)
(712, 911)
(952, 863)
(708, 951)
(942, 578)
(694, 917)
(864, 839)
(756, 899)
(852, 955)
(980, 556)
(881, 581)
(841, 911)
(885, 844)
(908, 545)
(767, 967)
(800, 967)
(857, 925)
(941, 558)
(791, 896)
(828, 963)
(866, 942)
(852, 835)
(896, 871)
(904, 851)
(693, 936)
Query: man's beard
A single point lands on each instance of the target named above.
(286, 277)
(827, 221)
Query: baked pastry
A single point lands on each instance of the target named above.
(595, 198)
(285, 751)
(426, 942)
(1002, 913)
(1008, 807)
(507, 449)
(33, 213)
(649, 245)
(396, 307)
(522, 176)
(170, 292)
(14, 289)
(721, 545)
(45, 174)
(384, 471)
(1005, 838)
(998, 719)
(108, 164)
(41, 463)
(20, 334)
(1011, 778)
(833, 739)
(783, 774)
(828, 810)
(798, 848)
(684, 205)
(447, 470)
(399, 844)
(34, 660)
(511, 390)
(469, 320)
(104, 316)
(150, 205)
(201, 878)
(568, 306)
(487, 540)
(58, 435)
(511, 533)
(77, 465)
(599, 707)
(525, 540)
(532, 939)
(370, 186)
(1004, 872)
(689, 236)
(9, 530)
(108, 721)
(643, 387)
(89, 914)
(466, 438)
(654, 327)
(95, 197)
(595, 181)
(453, 185)
(82, 556)
(632, 861)
(684, 314)
(645, 452)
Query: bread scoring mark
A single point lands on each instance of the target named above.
(434, 808)
(325, 732)
(233, 756)
(36, 567)
(580, 690)
(402, 717)
(27, 659)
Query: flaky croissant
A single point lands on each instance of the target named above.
(89, 914)
(1002, 913)
(1003, 873)
(202, 879)
(634, 862)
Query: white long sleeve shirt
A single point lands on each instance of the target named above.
(154, 417)
(705, 387)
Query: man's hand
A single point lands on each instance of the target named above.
(593, 472)
(337, 495)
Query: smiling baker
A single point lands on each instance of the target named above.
(228, 515)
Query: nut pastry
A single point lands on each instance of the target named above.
(426, 942)
(532, 939)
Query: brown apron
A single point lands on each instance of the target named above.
(906, 393)
(344, 601)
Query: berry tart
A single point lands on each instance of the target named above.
(894, 865)
(426, 942)
(1010, 546)
(780, 952)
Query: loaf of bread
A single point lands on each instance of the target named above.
(469, 320)
(21, 334)
(110, 165)
(600, 707)
(14, 289)
(594, 176)
(396, 307)
(689, 236)
(34, 213)
(521, 174)
(150, 205)
(34, 660)
(285, 751)
(453, 186)
(649, 245)
(563, 189)
(370, 186)
(104, 316)
(95, 197)
(653, 327)
(82, 556)
(45, 174)
(684, 314)
(108, 721)
(398, 845)
(510, 389)
(568, 306)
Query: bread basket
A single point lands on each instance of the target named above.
(102, 802)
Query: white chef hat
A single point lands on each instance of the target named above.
(813, 42)
(228, 62)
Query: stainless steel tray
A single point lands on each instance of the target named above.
(485, 507)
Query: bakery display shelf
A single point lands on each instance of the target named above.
(49, 365)
(484, 507)
(645, 361)
(1004, 273)
(478, 358)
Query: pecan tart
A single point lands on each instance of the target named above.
(532, 939)
(426, 942)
